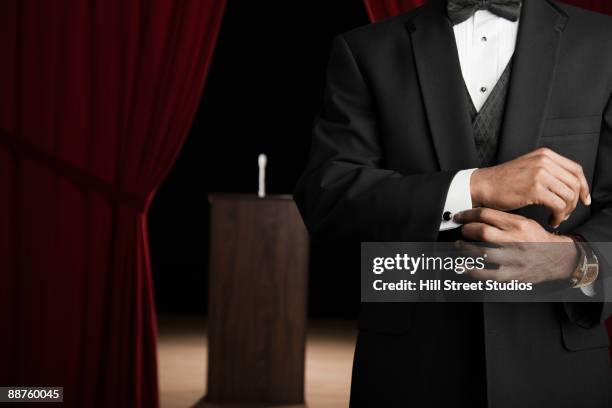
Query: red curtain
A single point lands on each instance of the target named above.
(381, 9)
(96, 99)
(602, 6)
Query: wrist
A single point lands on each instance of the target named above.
(478, 188)
(570, 256)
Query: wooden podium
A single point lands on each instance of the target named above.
(257, 308)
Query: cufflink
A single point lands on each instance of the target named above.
(447, 216)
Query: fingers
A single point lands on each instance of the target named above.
(479, 231)
(567, 186)
(488, 225)
(572, 167)
(568, 179)
(557, 179)
(557, 196)
(504, 255)
(495, 218)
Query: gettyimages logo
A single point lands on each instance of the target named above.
(412, 265)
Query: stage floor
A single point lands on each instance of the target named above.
(183, 355)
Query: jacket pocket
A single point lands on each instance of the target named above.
(583, 125)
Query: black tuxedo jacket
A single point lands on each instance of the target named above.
(393, 131)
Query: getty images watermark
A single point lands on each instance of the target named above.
(476, 272)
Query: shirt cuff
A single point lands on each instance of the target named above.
(458, 198)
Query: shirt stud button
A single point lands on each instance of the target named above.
(483, 89)
(484, 39)
(447, 216)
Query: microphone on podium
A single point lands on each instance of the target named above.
(262, 161)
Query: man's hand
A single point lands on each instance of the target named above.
(553, 258)
(541, 177)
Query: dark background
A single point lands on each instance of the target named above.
(263, 90)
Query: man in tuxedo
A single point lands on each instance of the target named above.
(489, 120)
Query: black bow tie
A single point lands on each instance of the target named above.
(460, 10)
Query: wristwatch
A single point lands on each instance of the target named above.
(587, 269)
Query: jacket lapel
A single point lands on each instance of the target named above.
(533, 71)
(442, 87)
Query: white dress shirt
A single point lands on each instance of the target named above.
(485, 44)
